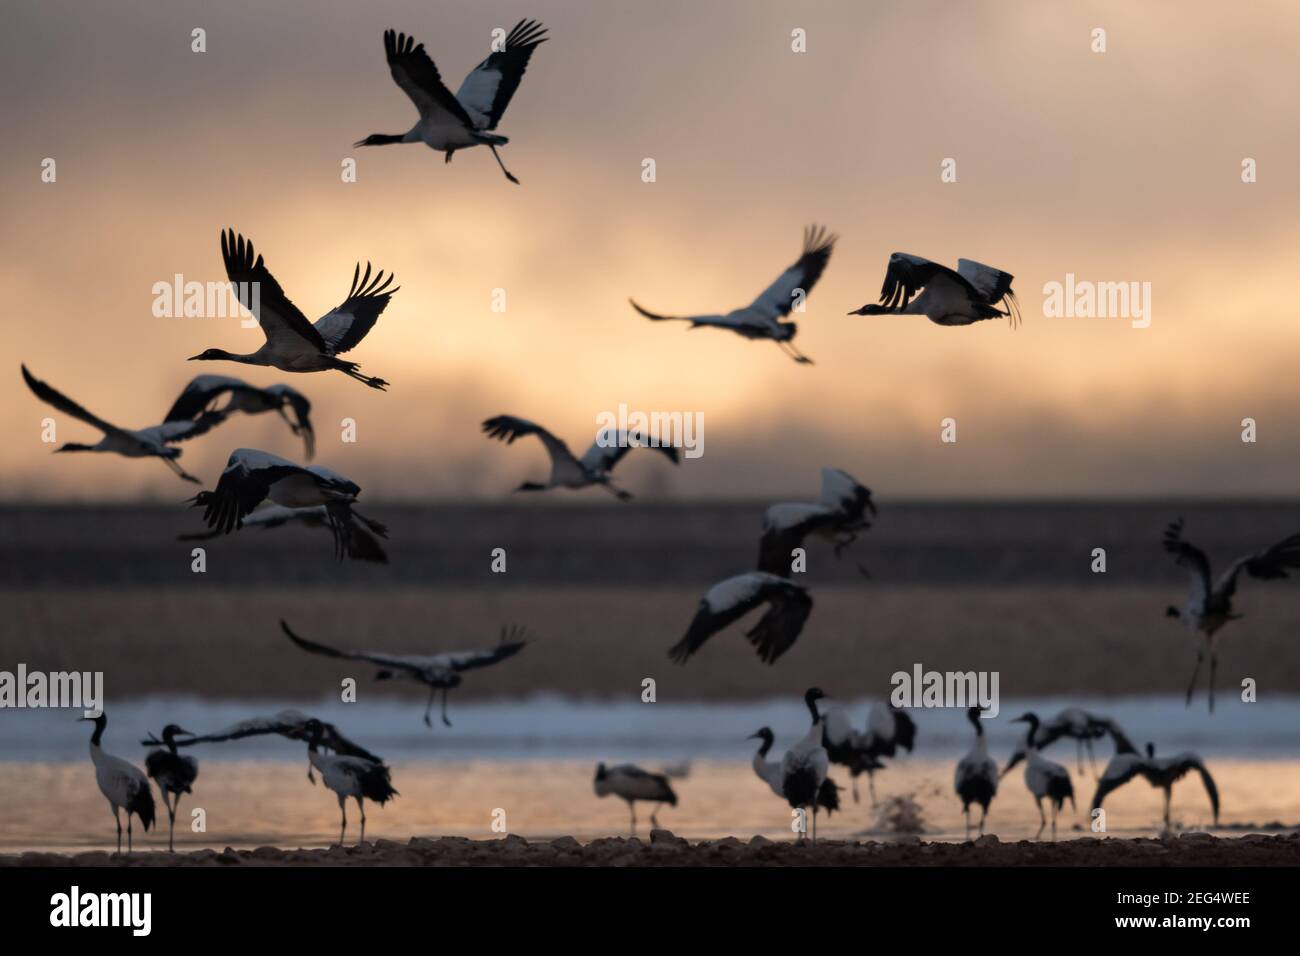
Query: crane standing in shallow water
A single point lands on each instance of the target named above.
(769, 771)
(633, 784)
(1161, 773)
(976, 779)
(121, 783)
(174, 773)
(353, 777)
(1044, 778)
(806, 765)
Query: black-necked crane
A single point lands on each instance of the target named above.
(174, 773)
(253, 476)
(633, 784)
(201, 395)
(1071, 722)
(971, 293)
(1209, 606)
(1044, 777)
(846, 747)
(290, 724)
(122, 783)
(154, 442)
(1161, 772)
(362, 539)
(449, 123)
(806, 765)
(439, 672)
(976, 779)
(353, 777)
(769, 771)
(888, 730)
(838, 516)
(776, 631)
(761, 319)
(567, 470)
(293, 343)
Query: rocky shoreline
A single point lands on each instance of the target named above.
(665, 849)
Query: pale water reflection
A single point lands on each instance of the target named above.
(250, 803)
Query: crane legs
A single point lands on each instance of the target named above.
(118, 819)
(428, 707)
(509, 175)
(1041, 816)
(361, 807)
(171, 819)
(1214, 666)
(1196, 672)
(631, 805)
(793, 352)
(181, 472)
(343, 815)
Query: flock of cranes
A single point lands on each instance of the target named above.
(801, 778)
(260, 489)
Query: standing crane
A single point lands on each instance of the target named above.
(174, 773)
(122, 784)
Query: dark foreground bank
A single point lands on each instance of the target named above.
(663, 849)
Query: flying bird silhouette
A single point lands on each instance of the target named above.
(448, 123)
(153, 442)
(971, 293)
(761, 319)
(293, 344)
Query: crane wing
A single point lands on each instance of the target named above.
(908, 274)
(58, 400)
(346, 325)
(281, 321)
(487, 90)
(419, 79)
(777, 300)
(1269, 565)
(1188, 556)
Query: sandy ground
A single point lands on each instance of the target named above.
(665, 849)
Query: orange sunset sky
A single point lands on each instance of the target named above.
(1118, 166)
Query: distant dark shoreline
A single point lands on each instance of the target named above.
(642, 544)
